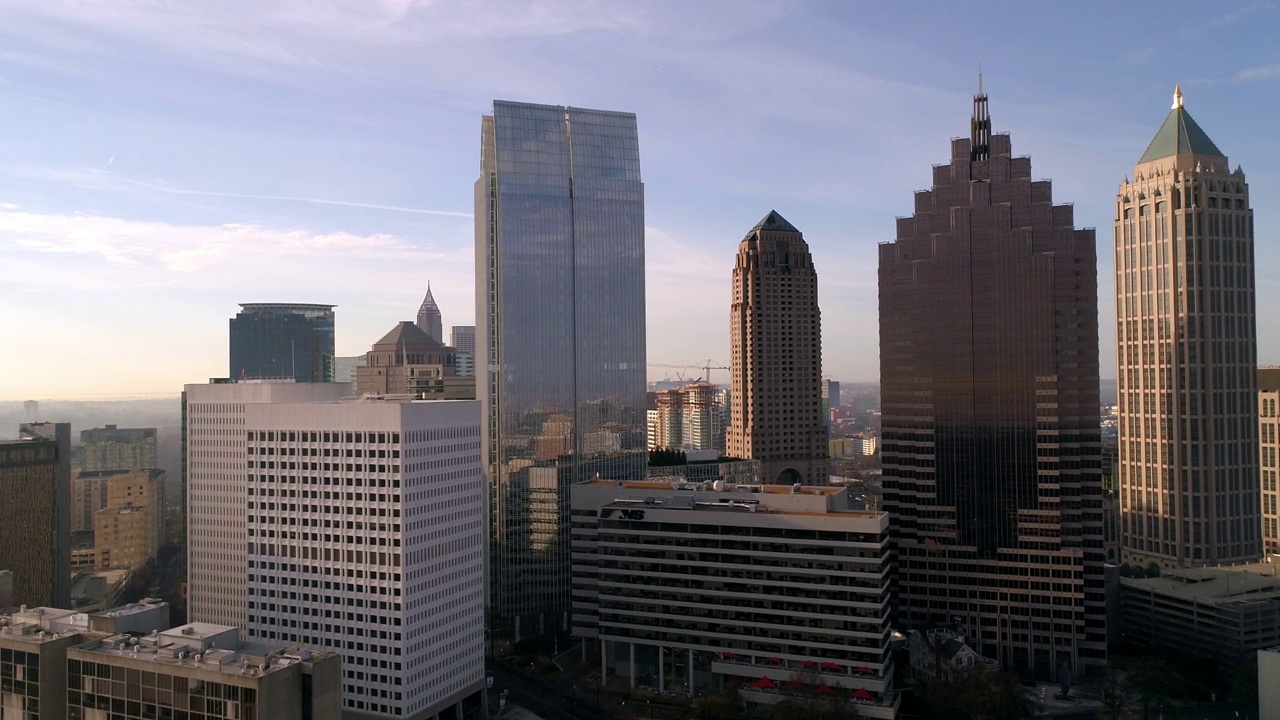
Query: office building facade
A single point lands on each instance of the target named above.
(1269, 456)
(1187, 339)
(408, 361)
(560, 337)
(129, 530)
(463, 338)
(35, 499)
(776, 345)
(717, 585)
(991, 443)
(275, 341)
(112, 448)
(216, 483)
(366, 530)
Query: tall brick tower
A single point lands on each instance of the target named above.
(776, 363)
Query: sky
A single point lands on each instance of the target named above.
(161, 162)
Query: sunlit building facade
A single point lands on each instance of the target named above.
(1186, 335)
(560, 337)
(991, 445)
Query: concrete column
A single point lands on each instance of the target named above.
(690, 671)
(604, 668)
(633, 664)
(662, 685)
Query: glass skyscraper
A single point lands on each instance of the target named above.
(282, 340)
(560, 338)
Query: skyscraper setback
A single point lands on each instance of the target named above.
(560, 337)
(1187, 340)
(989, 378)
(776, 356)
(282, 340)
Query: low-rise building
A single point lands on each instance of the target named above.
(1220, 614)
(60, 664)
(1269, 683)
(779, 591)
(944, 653)
(199, 670)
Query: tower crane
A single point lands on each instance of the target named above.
(706, 367)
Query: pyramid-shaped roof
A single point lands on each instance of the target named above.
(408, 335)
(773, 222)
(1179, 135)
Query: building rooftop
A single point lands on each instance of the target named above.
(773, 222)
(1179, 135)
(718, 495)
(251, 659)
(1214, 586)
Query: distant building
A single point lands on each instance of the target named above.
(130, 529)
(408, 361)
(30, 410)
(88, 496)
(560, 338)
(1185, 302)
(216, 482)
(272, 341)
(738, 472)
(35, 488)
(344, 368)
(776, 364)
(806, 597)
(111, 448)
(429, 320)
(463, 339)
(1217, 614)
(831, 393)
(6, 588)
(1269, 444)
(393, 538)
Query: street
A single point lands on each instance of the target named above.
(542, 698)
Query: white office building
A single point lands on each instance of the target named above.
(214, 483)
(367, 533)
(779, 591)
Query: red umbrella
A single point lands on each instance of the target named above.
(807, 664)
(763, 683)
(864, 670)
(826, 690)
(830, 666)
(862, 694)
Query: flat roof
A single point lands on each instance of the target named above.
(1210, 585)
(250, 659)
(729, 487)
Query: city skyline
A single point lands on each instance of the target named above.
(156, 163)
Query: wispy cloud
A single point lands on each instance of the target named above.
(1257, 74)
(117, 250)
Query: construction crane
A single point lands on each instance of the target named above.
(706, 368)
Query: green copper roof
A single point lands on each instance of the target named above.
(1179, 135)
(775, 222)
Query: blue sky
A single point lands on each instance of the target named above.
(161, 161)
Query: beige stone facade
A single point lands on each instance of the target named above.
(88, 496)
(1269, 448)
(130, 529)
(408, 361)
(1187, 472)
(776, 351)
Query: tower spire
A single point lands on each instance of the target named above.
(980, 125)
(1177, 97)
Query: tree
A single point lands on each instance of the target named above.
(1152, 681)
(666, 457)
(1116, 696)
(989, 695)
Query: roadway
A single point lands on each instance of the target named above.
(540, 697)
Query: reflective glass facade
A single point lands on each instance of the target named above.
(991, 439)
(560, 337)
(274, 341)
